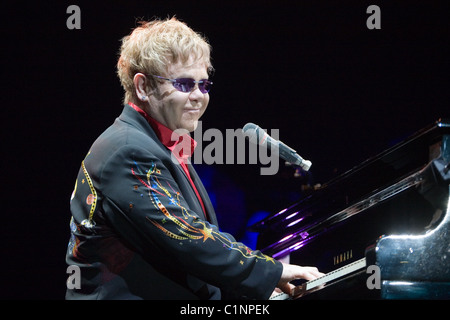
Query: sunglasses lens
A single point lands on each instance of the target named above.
(186, 85)
(205, 86)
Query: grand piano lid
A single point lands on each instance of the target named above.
(374, 174)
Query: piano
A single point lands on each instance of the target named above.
(378, 231)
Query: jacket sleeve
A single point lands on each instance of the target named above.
(143, 202)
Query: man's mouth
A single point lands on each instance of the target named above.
(192, 110)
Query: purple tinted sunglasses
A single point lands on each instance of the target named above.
(188, 84)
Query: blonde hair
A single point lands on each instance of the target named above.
(153, 46)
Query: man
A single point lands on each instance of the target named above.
(142, 224)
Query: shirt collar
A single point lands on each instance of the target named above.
(182, 146)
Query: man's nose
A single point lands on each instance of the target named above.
(196, 94)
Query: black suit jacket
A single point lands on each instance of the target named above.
(139, 232)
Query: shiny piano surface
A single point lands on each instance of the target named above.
(391, 211)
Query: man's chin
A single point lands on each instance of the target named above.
(190, 126)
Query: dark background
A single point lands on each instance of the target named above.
(338, 92)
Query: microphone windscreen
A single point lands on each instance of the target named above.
(251, 132)
(249, 126)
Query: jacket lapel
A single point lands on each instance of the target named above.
(133, 117)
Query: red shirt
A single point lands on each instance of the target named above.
(181, 146)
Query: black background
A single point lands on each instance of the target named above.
(338, 92)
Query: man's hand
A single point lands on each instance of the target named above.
(293, 272)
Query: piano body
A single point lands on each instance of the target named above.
(380, 230)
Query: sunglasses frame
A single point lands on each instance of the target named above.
(177, 81)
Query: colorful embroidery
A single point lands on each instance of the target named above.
(92, 198)
(198, 230)
(74, 241)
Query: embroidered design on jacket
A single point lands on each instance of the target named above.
(194, 230)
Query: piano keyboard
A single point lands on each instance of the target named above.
(313, 284)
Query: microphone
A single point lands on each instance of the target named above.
(258, 136)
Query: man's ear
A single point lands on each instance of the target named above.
(139, 81)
